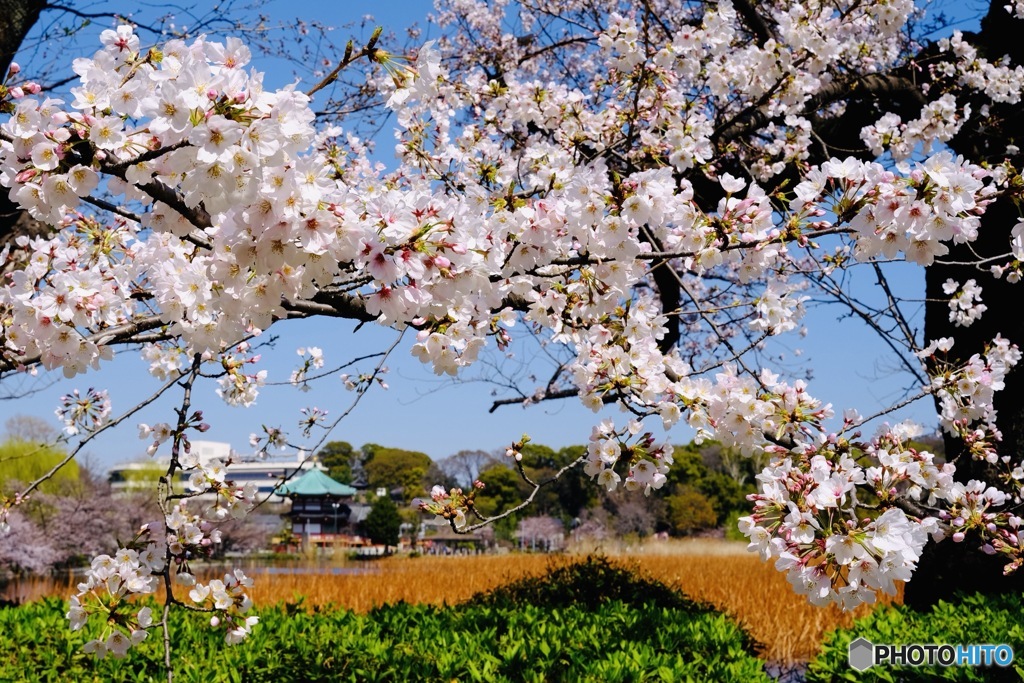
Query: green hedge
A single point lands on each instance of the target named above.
(626, 637)
(969, 620)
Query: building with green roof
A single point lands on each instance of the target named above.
(321, 507)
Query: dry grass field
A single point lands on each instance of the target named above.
(718, 572)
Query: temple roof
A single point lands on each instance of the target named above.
(315, 483)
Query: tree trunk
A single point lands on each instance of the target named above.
(948, 567)
(16, 18)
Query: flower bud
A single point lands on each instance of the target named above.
(14, 68)
(958, 537)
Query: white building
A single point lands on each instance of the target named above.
(266, 472)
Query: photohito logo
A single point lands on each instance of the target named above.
(863, 654)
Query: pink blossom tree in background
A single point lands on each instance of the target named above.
(655, 190)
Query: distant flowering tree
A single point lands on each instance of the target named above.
(25, 548)
(651, 189)
(540, 533)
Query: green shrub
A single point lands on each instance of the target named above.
(587, 584)
(970, 620)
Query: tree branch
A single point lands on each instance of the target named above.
(369, 50)
(890, 85)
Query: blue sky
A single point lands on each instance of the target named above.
(850, 365)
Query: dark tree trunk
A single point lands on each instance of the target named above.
(16, 18)
(948, 567)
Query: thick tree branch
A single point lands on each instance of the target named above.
(754, 20)
(874, 85)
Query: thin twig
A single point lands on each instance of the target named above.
(112, 423)
(369, 50)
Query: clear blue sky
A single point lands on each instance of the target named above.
(850, 365)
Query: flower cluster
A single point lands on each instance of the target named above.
(132, 571)
(229, 599)
(84, 413)
(312, 358)
(808, 516)
(239, 388)
(964, 302)
(453, 505)
(966, 392)
(644, 463)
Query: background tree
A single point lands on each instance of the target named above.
(502, 490)
(436, 475)
(30, 428)
(396, 468)
(465, 466)
(540, 532)
(718, 476)
(566, 496)
(689, 511)
(337, 457)
(383, 522)
(22, 462)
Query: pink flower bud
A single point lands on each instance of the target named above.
(214, 622)
(33, 88)
(17, 93)
(959, 521)
(14, 68)
(958, 537)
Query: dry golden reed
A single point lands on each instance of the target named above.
(720, 573)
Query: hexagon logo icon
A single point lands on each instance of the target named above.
(861, 654)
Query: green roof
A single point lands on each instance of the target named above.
(315, 483)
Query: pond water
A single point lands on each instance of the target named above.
(299, 570)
